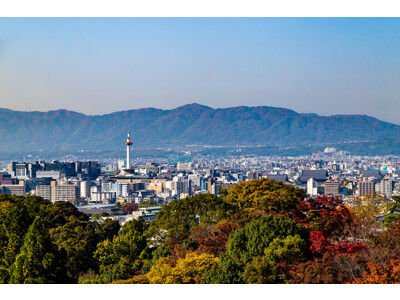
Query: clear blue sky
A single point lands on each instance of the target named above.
(101, 65)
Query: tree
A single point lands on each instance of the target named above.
(381, 273)
(130, 207)
(320, 245)
(212, 239)
(274, 267)
(148, 203)
(384, 246)
(252, 239)
(58, 214)
(78, 240)
(393, 216)
(156, 254)
(228, 271)
(15, 220)
(122, 257)
(366, 209)
(317, 271)
(39, 260)
(108, 229)
(264, 194)
(189, 269)
(262, 270)
(327, 214)
(288, 250)
(179, 218)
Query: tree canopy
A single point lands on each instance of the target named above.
(265, 194)
(179, 218)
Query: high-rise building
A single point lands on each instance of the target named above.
(312, 187)
(366, 188)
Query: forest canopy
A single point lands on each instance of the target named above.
(260, 231)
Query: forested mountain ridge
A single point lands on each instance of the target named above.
(188, 124)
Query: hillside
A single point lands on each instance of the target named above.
(188, 124)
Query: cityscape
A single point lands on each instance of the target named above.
(212, 151)
(102, 186)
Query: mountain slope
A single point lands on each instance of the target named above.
(189, 124)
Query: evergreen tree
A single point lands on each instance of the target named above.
(39, 260)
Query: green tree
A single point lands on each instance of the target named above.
(39, 260)
(156, 254)
(147, 203)
(252, 239)
(122, 257)
(394, 209)
(78, 239)
(108, 229)
(179, 218)
(59, 213)
(228, 271)
(288, 250)
(262, 270)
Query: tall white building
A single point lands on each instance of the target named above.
(312, 187)
(385, 187)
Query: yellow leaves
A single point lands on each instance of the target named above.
(369, 207)
(5, 206)
(187, 269)
(161, 272)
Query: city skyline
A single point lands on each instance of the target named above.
(99, 66)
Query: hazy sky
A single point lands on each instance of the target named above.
(97, 66)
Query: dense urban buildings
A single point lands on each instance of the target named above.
(112, 182)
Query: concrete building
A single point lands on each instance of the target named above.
(48, 174)
(102, 197)
(312, 187)
(148, 213)
(14, 189)
(44, 191)
(184, 166)
(59, 192)
(66, 192)
(385, 187)
(332, 187)
(366, 188)
(85, 188)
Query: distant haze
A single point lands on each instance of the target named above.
(102, 65)
(191, 124)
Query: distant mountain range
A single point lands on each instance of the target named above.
(188, 124)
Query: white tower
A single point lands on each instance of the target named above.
(128, 144)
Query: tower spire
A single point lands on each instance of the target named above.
(128, 144)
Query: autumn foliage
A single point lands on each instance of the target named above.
(260, 231)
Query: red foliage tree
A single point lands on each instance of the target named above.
(326, 214)
(320, 245)
(130, 207)
(212, 239)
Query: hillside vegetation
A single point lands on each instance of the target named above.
(190, 124)
(260, 231)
